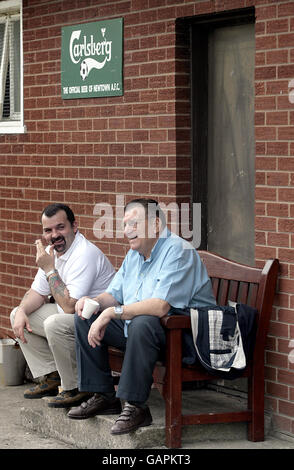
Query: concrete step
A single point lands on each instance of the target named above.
(94, 433)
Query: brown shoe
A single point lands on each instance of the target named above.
(68, 398)
(48, 387)
(96, 405)
(131, 419)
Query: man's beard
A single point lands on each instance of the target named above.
(59, 247)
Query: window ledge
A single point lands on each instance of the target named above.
(12, 129)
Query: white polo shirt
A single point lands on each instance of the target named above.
(83, 268)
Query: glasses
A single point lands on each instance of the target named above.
(133, 224)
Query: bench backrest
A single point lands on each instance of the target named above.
(244, 284)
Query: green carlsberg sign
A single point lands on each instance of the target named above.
(91, 60)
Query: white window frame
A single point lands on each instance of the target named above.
(9, 11)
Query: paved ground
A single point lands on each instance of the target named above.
(14, 436)
(12, 433)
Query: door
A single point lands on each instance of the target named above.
(223, 137)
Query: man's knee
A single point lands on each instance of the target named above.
(144, 326)
(145, 321)
(51, 325)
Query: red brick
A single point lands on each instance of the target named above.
(260, 58)
(286, 408)
(259, 90)
(265, 223)
(277, 87)
(277, 118)
(286, 71)
(260, 238)
(286, 9)
(278, 239)
(277, 179)
(265, 102)
(266, 12)
(276, 209)
(267, 73)
(266, 42)
(286, 316)
(278, 330)
(286, 195)
(286, 377)
(286, 225)
(286, 133)
(286, 164)
(265, 252)
(286, 255)
(277, 360)
(266, 163)
(265, 133)
(277, 26)
(259, 118)
(286, 40)
(277, 57)
(260, 178)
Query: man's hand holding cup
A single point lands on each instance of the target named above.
(85, 307)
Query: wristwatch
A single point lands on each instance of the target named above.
(53, 271)
(118, 311)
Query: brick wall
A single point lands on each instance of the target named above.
(83, 152)
(274, 191)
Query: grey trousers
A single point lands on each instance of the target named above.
(51, 345)
(143, 346)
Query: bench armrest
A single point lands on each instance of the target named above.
(176, 321)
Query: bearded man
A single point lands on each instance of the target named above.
(69, 268)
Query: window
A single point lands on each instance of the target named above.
(11, 79)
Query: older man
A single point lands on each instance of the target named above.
(69, 268)
(161, 274)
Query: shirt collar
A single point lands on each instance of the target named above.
(161, 240)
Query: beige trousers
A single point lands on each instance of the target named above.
(51, 345)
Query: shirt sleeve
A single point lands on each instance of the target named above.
(40, 283)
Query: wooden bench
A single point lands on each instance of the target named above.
(231, 281)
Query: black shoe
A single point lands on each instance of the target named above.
(131, 419)
(96, 405)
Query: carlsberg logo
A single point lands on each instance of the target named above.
(86, 49)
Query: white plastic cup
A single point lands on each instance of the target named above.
(90, 307)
